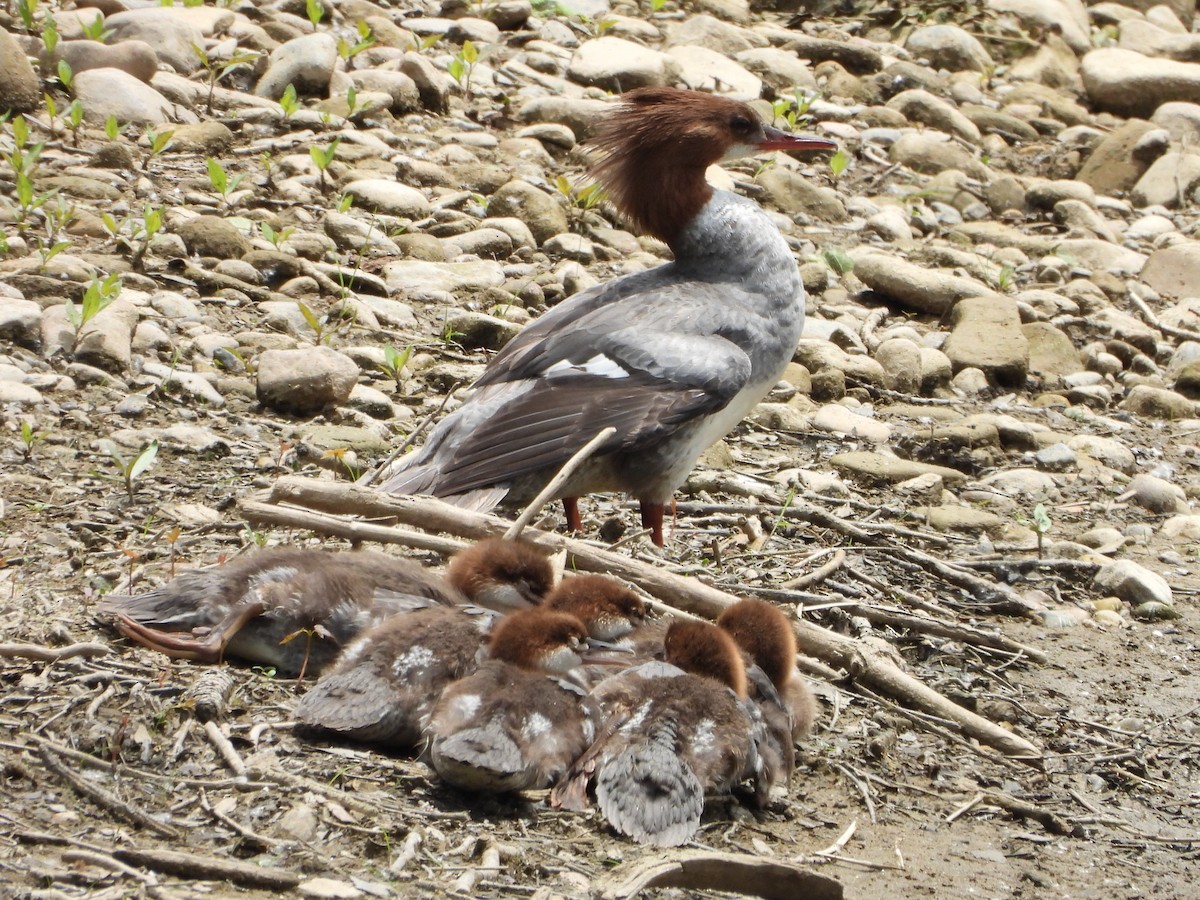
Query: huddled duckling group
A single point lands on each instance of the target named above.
(503, 681)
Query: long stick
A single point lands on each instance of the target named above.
(564, 475)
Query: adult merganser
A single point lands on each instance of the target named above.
(295, 608)
(672, 357)
(386, 682)
(515, 724)
(673, 733)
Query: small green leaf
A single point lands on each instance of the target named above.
(65, 74)
(838, 163)
(216, 174)
(1041, 519)
(309, 316)
(143, 460)
(838, 260)
(469, 53)
(112, 128)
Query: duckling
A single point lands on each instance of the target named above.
(253, 607)
(515, 724)
(674, 732)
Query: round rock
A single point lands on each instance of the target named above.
(304, 381)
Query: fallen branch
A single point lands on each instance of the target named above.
(733, 872)
(209, 868)
(103, 798)
(52, 654)
(858, 659)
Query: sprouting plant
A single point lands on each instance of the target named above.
(838, 163)
(23, 160)
(30, 438)
(463, 64)
(657, 5)
(268, 164)
(343, 456)
(315, 631)
(220, 180)
(276, 237)
(394, 362)
(96, 298)
(75, 120)
(794, 110)
(322, 157)
(837, 260)
(66, 76)
(366, 40)
(112, 128)
(146, 229)
(351, 101)
(95, 30)
(1041, 526)
(581, 199)
(424, 43)
(26, 11)
(314, 321)
(450, 334)
(315, 11)
(47, 250)
(258, 539)
(132, 469)
(51, 112)
(159, 141)
(1004, 281)
(215, 69)
(49, 35)
(288, 102)
(345, 202)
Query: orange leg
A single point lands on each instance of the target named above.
(574, 519)
(652, 518)
(208, 649)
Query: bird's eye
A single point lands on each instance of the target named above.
(741, 124)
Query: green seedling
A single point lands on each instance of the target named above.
(75, 120)
(838, 260)
(366, 40)
(351, 101)
(424, 43)
(47, 250)
(288, 102)
(838, 164)
(322, 157)
(49, 35)
(345, 202)
(132, 469)
(95, 30)
(146, 229)
(51, 112)
(112, 128)
(1004, 281)
(394, 362)
(159, 141)
(96, 298)
(66, 76)
(276, 237)
(215, 69)
(220, 180)
(1041, 526)
(463, 64)
(26, 12)
(30, 438)
(657, 5)
(315, 11)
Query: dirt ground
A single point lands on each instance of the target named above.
(1111, 812)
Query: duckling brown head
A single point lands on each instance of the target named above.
(702, 648)
(762, 630)
(606, 607)
(539, 639)
(502, 574)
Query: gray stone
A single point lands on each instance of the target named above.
(948, 47)
(1026, 484)
(213, 236)
(193, 382)
(1169, 181)
(432, 84)
(387, 196)
(106, 341)
(206, 138)
(1158, 403)
(922, 106)
(901, 359)
(708, 31)
(403, 91)
(920, 288)
(1132, 583)
(1181, 120)
(819, 356)
(881, 467)
(543, 214)
(838, 419)
(1051, 353)
(478, 331)
(707, 70)
(1155, 494)
(778, 68)
(1067, 16)
(20, 322)
(306, 63)
(135, 57)
(1130, 84)
(1055, 458)
(20, 89)
(794, 194)
(489, 243)
(1175, 270)
(170, 34)
(113, 92)
(419, 278)
(618, 65)
(304, 381)
(931, 152)
(1117, 162)
(1108, 451)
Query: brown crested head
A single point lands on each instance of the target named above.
(608, 608)
(658, 141)
(702, 648)
(496, 562)
(764, 633)
(539, 639)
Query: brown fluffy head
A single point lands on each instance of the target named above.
(539, 639)
(702, 648)
(497, 562)
(608, 608)
(765, 634)
(657, 143)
